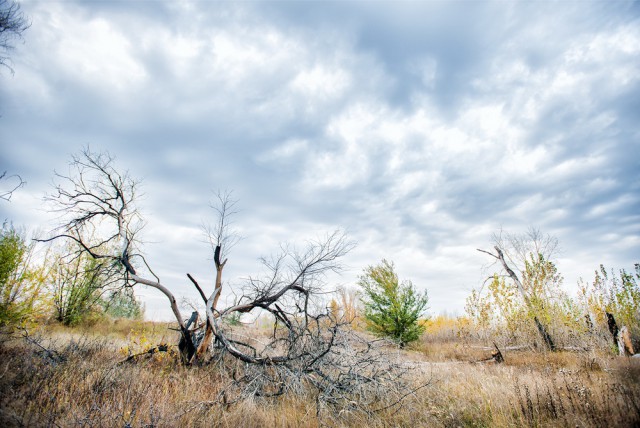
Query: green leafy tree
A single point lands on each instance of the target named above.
(392, 309)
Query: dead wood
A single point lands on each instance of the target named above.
(163, 347)
(613, 328)
(625, 347)
(309, 348)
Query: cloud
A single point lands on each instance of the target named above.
(420, 128)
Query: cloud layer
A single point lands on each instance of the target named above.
(420, 128)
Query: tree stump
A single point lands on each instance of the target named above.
(625, 347)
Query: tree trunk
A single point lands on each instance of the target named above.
(613, 328)
(204, 345)
(625, 347)
(187, 347)
(545, 334)
(546, 337)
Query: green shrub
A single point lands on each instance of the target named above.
(392, 309)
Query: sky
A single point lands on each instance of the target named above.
(419, 128)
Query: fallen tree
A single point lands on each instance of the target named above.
(308, 346)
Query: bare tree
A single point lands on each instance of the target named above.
(94, 199)
(307, 346)
(222, 239)
(12, 24)
(10, 184)
(512, 251)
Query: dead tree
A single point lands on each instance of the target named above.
(12, 24)
(540, 245)
(307, 346)
(621, 336)
(94, 199)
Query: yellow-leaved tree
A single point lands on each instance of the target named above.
(22, 280)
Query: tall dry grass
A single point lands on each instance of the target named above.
(63, 377)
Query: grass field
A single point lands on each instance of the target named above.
(79, 377)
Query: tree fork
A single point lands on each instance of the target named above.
(213, 301)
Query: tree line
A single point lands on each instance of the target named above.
(94, 261)
(55, 284)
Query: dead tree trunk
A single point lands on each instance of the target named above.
(545, 334)
(621, 336)
(546, 337)
(625, 347)
(589, 323)
(187, 347)
(213, 303)
(613, 328)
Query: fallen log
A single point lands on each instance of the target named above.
(506, 348)
(163, 347)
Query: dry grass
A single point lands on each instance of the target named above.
(82, 382)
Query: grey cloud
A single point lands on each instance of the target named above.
(418, 127)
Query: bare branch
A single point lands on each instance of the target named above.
(12, 24)
(221, 236)
(487, 252)
(17, 183)
(197, 287)
(308, 348)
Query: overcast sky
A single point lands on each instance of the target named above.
(420, 128)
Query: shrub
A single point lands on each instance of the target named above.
(392, 309)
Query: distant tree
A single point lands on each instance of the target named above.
(348, 300)
(345, 305)
(12, 24)
(616, 294)
(392, 309)
(122, 303)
